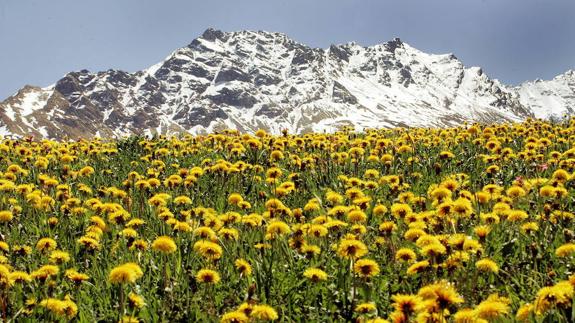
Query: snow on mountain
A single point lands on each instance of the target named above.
(250, 80)
(550, 99)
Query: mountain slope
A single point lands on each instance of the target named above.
(249, 80)
(554, 98)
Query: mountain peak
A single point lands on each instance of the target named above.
(212, 34)
(249, 80)
(393, 44)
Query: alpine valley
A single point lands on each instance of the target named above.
(249, 80)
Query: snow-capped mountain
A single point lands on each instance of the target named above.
(550, 99)
(250, 80)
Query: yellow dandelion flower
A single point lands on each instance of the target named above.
(366, 268)
(365, 308)
(465, 315)
(565, 250)
(400, 210)
(136, 301)
(406, 304)
(356, 216)
(129, 319)
(235, 199)
(234, 317)
(351, 248)
(264, 313)
(125, 273)
(46, 244)
(276, 229)
(524, 312)
(164, 244)
(487, 265)
(417, 267)
(405, 255)
(6, 216)
(491, 310)
(45, 272)
(530, 227)
(315, 275)
(208, 276)
(208, 249)
(243, 267)
(75, 276)
(19, 277)
(59, 257)
(433, 250)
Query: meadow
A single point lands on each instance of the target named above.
(466, 224)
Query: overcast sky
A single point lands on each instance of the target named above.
(513, 40)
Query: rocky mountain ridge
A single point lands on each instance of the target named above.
(249, 80)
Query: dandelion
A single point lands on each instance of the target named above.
(139, 244)
(487, 265)
(465, 315)
(434, 249)
(365, 308)
(59, 257)
(413, 234)
(530, 227)
(492, 309)
(462, 207)
(351, 249)
(208, 276)
(229, 233)
(164, 244)
(234, 317)
(442, 293)
(235, 199)
(45, 272)
(315, 275)
(317, 230)
(264, 313)
(276, 229)
(208, 249)
(334, 198)
(558, 295)
(516, 192)
(310, 250)
(517, 215)
(243, 267)
(356, 216)
(136, 301)
(405, 255)
(406, 304)
(46, 244)
(75, 276)
(417, 267)
(385, 228)
(524, 312)
(6, 216)
(366, 268)
(89, 243)
(4, 246)
(565, 250)
(19, 277)
(400, 210)
(547, 191)
(205, 233)
(126, 273)
(66, 308)
(129, 319)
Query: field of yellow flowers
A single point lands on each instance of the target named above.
(468, 224)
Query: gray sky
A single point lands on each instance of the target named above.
(513, 40)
